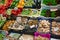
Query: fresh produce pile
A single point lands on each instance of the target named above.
(56, 27)
(14, 7)
(30, 25)
(48, 13)
(9, 22)
(14, 4)
(51, 2)
(31, 12)
(29, 19)
(44, 26)
(29, 2)
(26, 11)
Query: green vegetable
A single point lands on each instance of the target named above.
(43, 13)
(26, 12)
(29, 2)
(53, 14)
(14, 3)
(52, 2)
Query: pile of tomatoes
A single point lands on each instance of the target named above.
(15, 11)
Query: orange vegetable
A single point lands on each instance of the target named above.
(7, 24)
(21, 4)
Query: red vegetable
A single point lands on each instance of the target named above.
(4, 7)
(16, 12)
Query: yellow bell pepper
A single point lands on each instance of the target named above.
(21, 4)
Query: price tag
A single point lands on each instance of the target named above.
(54, 9)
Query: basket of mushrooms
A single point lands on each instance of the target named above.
(44, 25)
(55, 29)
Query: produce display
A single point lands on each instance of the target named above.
(44, 26)
(56, 27)
(5, 27)
(29, 19)
(16, 6)
(15, 9)
(19, 23)
(14, 3)
(29, 2)
(5, 3)
(51, 2)
(21, 4)
(26, 12)
(30, 25)
(48, 13)
(22, 22)
(31, 12)
(17, 26)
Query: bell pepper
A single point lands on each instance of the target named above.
(8, 3)
(16, 12)
(21, 4)
(2, 9)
